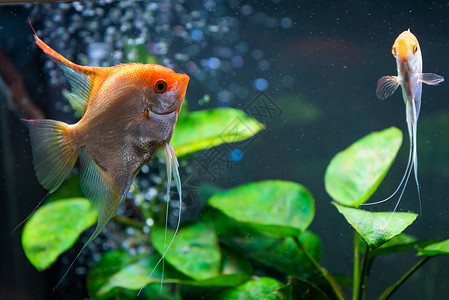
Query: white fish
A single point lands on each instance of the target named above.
(407, 52)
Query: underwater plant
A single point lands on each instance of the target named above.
(251, 241)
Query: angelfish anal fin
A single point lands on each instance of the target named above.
(103, 192)
(81, 85)
(386, 86)
(431, 78)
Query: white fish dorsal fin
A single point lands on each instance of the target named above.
(386, 86)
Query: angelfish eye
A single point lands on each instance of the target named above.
(160, 86)
(393, 51)
(415, 49)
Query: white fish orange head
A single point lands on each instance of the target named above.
(407, 52)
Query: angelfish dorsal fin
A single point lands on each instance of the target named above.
(80, 78)
(81, 85)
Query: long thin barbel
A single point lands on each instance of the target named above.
(169, 153)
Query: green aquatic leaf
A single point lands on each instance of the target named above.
(204, 129)
(399, 243)
(194, 251)
(440, 248)
(234, 271)
(139, 54)
(118, 274)
(299, 288)
(70, 188)
(54, 228)
(376, 228)
(282, 254)
(273, 206)
(263, 288)
(354, 174)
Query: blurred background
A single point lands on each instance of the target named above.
(316, 63)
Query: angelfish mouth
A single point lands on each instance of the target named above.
(151, 113)
(184, 81)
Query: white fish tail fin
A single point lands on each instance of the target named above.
(169, 157)
(412, 162)
(412, 120)
(414, 130)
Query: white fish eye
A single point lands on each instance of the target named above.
(415, 49)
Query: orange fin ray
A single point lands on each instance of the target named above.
(80, 78)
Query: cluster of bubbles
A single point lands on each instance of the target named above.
(201, 39)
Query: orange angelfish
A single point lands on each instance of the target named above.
(407, 52)
(129, 112)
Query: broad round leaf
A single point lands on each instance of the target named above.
(440, 248)
(118, 271)
(282, 254)
(70, 188)
(263, 288)
(354, 174)
(301, 288)
(194, 251)
(376, 228)
(54, 228)
(273, 206)
(205, 129)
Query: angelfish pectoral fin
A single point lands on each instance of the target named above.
(431, 78)
(103, 191)
(386, 86)
(169, 157)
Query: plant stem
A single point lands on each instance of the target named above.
(356, 272)
(366, 266)
(388, 292)
(326, 275)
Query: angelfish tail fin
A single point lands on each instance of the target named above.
(54, 152)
